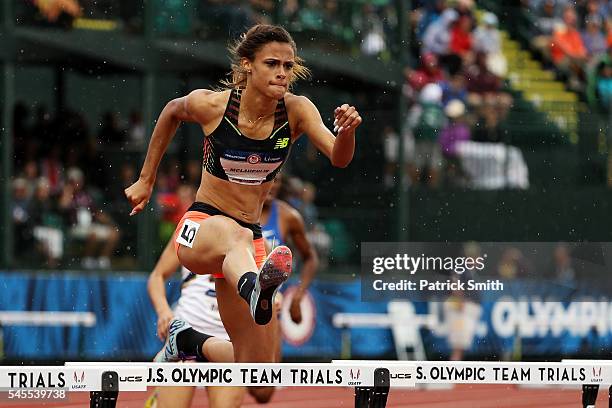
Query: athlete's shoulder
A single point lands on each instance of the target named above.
(205, 102)
(297, 102)
(301, 111)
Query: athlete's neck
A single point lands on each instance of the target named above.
(256, 104)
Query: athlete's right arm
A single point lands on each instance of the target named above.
(166, 266)
(190, 108)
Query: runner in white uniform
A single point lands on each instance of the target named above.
(198, 304)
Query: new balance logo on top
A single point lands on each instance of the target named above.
(281, 143)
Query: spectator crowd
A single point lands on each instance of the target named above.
(576, 39)
(455, 95)
(69, 208)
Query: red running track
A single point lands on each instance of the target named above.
(461, 396)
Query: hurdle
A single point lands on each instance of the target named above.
(29, 318)
(371, 380)
(590, 391)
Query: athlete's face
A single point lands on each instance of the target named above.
(272, 69)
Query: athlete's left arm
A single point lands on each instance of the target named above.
(297, 234)
(166, 266)
(339, 149)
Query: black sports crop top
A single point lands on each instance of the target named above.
(230, 155)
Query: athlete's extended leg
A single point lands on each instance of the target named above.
(171, 397)
(263, 395)
(225, 397)
(252, 342)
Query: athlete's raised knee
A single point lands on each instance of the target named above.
(242, 235)
(262, 395)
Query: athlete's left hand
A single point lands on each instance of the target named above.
(163, 321)
(346, 119)
(295, 311)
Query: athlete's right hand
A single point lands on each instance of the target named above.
(163, 321)
(138, 194)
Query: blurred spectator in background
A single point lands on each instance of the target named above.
(487, 40)
(52, 169)
(480, 81)
(487, 127)
(193, 172)
(21, 134)
(438, 35)
(546, 22)
(391, 151)
(598, 8)
(232, 17)
(462, 311)
(43, 127)
(21, 215)
(454, 132)
(47, 224)
(454, 88)
(174, 174)
(309, 209)
(173, 205)
(428, 72)
(513, 264)
(30, 174)
(110, 130)
(483, 86)
(127, 175)
(461, 38)
(301, 196)
(88, 223)
(425, 121)
(465, 8)
(373, 43)
(592, 36)
(426, 15)
(567, 49)
(603, 84)
(486, 35)
(136, 131)
(608, 24)
(562, 270)
(54, 10)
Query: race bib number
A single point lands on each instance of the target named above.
(187, 233)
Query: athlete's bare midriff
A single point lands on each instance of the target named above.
(239, 201)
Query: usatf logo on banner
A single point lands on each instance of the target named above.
(79, 381)
(355, 376)
(596, 375)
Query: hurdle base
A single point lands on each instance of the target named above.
(374, 397)
(589, 395)
(107, 398)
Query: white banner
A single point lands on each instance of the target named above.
(500, 372)
(340, 373)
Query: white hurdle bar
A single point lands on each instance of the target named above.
(20, 318)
